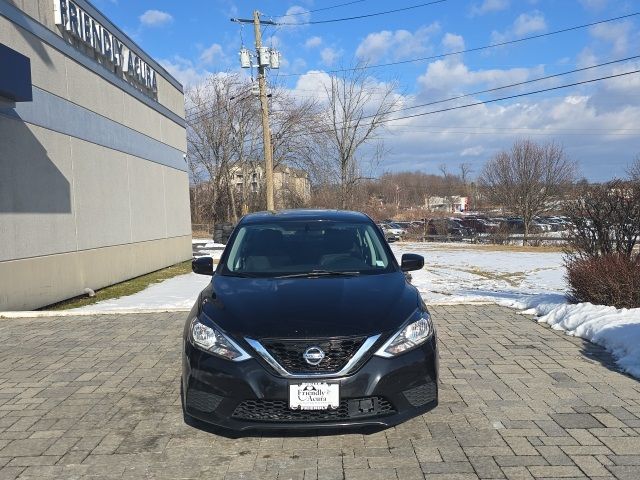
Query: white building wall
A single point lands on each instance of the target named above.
(93, 186)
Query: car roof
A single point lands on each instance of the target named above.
(305, 215)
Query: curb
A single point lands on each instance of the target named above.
(83, 313)
(129, 311)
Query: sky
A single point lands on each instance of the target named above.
(597, 123)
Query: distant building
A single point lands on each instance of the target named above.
(291, 185)
(451, 204)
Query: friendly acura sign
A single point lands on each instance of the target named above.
(76, 21)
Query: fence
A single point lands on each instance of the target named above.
(488, 239)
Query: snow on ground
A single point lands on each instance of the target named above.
(532, 282)
(173, 293)
(618, 330)
(455, 273)
(203, 247)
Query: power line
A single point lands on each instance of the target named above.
(510, 97)
(469, 105)
(358, 17)
(467, 50)
(203, 113)
(547, 77)
(526, 82)
(519, 131)
(561, 130)
(317, 9)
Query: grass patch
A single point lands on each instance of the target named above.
(457, 246)
(128, 287)
(512, 278)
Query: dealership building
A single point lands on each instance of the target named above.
(93, 180)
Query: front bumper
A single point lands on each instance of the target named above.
(249, 395)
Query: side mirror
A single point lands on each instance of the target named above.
(411, 261)
(202, 265)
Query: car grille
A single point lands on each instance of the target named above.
(279, 411)
(288, 353)
(203, 401)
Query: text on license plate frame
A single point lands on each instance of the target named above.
(314, 395)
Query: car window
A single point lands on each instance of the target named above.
(274, 249)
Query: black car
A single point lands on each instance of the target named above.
(308, 322)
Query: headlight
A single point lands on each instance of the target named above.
(212, 340)
(409, 337)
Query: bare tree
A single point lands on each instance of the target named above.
(634, 169)
(297, 135)
(528, 178)
(465, 172)
(221, 134)
(605, 219)
(357, 107)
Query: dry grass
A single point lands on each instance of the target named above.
(201, 234)
(123, 289)
(497, 248)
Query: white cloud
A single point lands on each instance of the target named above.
(617, 34)
(528, 23)
(488, 6)
(594, 5)
(452, 42)
(596, 123)
(472, 151)
(450, 77)
(185, 70)
(330, 55)
(155, 18)
(295, 15)
(525, 24)
(209, 55)
(313, 42)
(398, 44)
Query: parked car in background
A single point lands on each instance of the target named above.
(448, 227)
(392, 231)
(480, 225)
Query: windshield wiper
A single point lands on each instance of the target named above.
(242, 275)
(319, 273)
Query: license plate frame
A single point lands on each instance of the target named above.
(314, 395)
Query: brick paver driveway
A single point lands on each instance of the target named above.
(98, 396)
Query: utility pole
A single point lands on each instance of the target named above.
(264, 104)
(266, 58)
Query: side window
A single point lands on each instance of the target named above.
(370, 250)
(234, 261)
(378, 259)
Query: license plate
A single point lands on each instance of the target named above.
(314, 396)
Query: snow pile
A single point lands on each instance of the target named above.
(207, 248)
(178, 292)
(617, 330)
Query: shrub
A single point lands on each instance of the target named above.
(611, 279)
(605, 219)
(500, 235)
(602, 261)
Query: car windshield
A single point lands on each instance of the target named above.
(306, 247)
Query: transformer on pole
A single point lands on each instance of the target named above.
(266, 58)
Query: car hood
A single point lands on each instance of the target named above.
(310, 307)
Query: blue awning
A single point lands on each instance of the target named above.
(15, 81)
